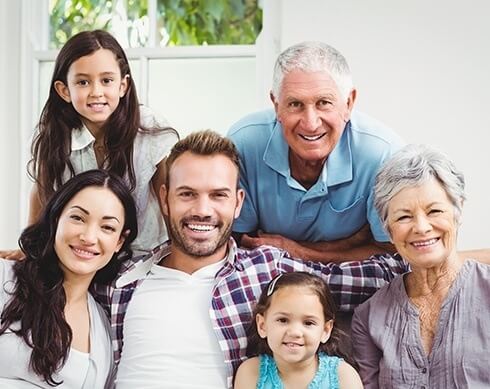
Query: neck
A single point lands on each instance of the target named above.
(305, 172)
(435, 280)
(76, 290)
(182, 261)
(299, 373)
(96, 131)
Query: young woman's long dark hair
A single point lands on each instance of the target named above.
(38, 299)
(334, 346)
(51, 147)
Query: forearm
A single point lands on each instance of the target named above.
(480, 255)
(339, 252)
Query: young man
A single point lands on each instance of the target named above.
(179, 316)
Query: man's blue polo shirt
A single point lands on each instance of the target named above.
(339, 203)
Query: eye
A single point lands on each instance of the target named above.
(76, 218)
(295, 105)
(403, 218)
(108, 228)
(107, 80)
(434, 212)
(82, 82)
(309, 323)
(220, 195)
(323, 103)
(282, 320)
(186, 194)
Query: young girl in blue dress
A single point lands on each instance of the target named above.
(295, 339)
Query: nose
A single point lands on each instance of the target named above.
(294, 330)
(422, 224)
(96, 90)
(311, 119)
(89, 235)
(202, 206)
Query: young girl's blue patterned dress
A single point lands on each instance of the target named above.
(326, 376)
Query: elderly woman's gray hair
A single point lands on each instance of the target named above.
(411, 166)
(313, 57)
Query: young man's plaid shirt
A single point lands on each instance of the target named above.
(239, 284)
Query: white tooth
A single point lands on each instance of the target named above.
(312, 137)
(426, 243)
(200, 227)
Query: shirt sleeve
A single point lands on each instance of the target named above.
(248, 220)
(102, 293)
(366, 353)
(351, 283)
(161, 135)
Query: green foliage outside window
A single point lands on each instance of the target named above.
(179, 22)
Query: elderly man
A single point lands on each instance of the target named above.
(179, 316)
(308, 167)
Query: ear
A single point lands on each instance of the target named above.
(275, 102)
(163, 199)
(327, 330)
(260, 321)
(240, 197)
(122, 239)
(351, 99)
(123, 88)
(62, 90)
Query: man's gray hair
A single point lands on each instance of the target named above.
(313, 57)
(411, 166)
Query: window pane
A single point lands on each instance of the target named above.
(127, 20)
(198, 22)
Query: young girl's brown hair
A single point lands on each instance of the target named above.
(335, 346)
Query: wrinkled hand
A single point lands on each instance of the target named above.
(16, 255)
(275, 240)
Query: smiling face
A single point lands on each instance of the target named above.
(313, 114)
(294, 325)
(201, 203)
(94, 87)
(422, 225)
(89, 232)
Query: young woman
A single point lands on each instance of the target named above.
(52, 331)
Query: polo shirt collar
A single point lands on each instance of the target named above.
(81, 138)
(276, 154)
(337, 170)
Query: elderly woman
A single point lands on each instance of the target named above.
(429, 327)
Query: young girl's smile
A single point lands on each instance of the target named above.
(94, 88)
(294, 325)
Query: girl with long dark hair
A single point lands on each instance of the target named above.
(92, 120)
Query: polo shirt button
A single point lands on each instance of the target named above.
(424, 370)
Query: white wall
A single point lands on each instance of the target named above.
(10, 170)
(420, 66)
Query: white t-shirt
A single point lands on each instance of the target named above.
(169, 340)
(81, 370)
(148, 151)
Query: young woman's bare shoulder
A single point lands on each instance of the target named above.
(348, 377)
(247, 374)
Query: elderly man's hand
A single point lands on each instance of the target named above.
(275, 240)
(16, 255)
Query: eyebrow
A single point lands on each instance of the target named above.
(185, 187)
(88, 213)
(101, 74)
(304, 317)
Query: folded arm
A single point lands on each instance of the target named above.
(358, 246)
